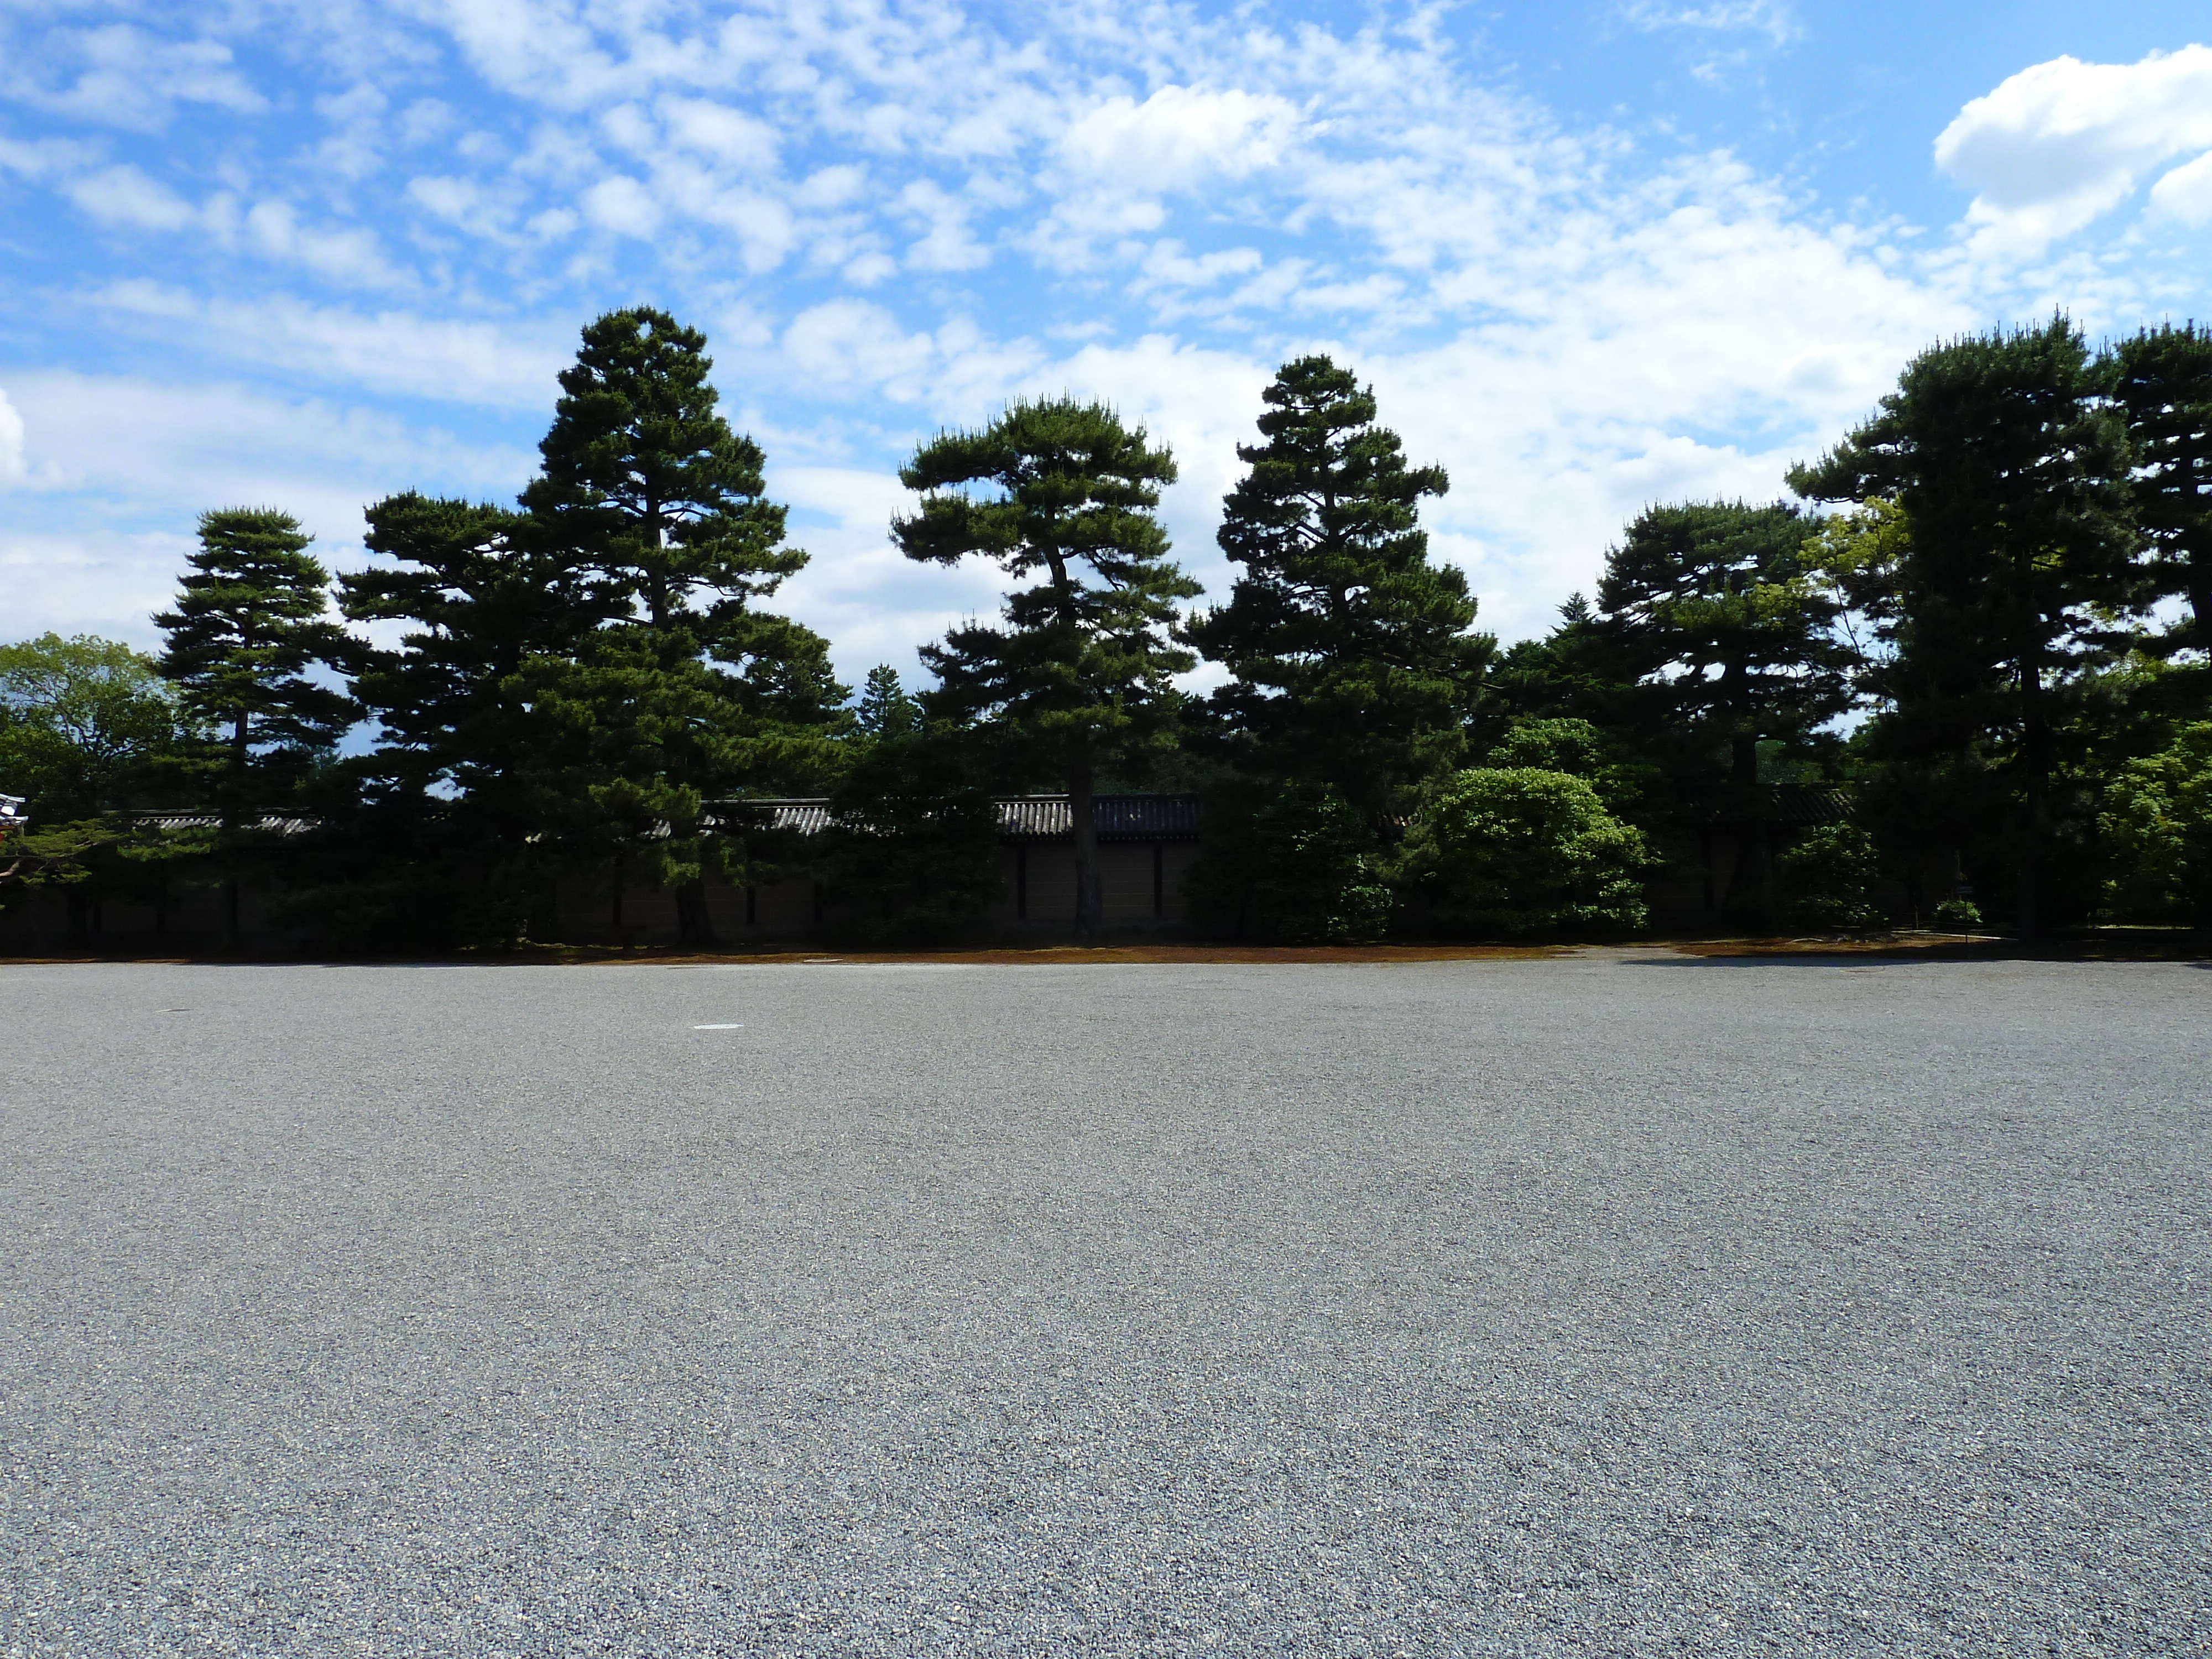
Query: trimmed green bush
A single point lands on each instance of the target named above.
(1827, 879)
(1521, 851)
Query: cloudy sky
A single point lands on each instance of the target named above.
(1593, 253)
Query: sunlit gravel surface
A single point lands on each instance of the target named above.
(1626, 1305)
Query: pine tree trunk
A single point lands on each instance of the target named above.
(233, 939)
(694, 925)
(1083, 821)
(2035, 744)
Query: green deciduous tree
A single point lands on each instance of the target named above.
(2015, 475)
(680, 691)
(84, 724)
(1353, 657)
(1521, 852)
(87, 728)
(2156, 834)
(1079, 675)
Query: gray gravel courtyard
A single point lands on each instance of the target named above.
(1625, 1303)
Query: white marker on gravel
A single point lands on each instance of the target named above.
(719, 1028)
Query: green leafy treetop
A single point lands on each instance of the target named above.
(1352, 654)
(2015, 477)
(82, 722)
(678, 690)
(2162, 378)
(87, 726)
(1080, 674)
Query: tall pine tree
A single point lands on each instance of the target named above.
(251, 628)
(1080, 674)
(2162, 378)
(1354, 659)
(2015, 475)
(681, 690)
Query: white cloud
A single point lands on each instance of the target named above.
(2059, 144)
(397, 351)
(2185, 193)
(1179, 137)
(121, 466)
(1775, 19)
(621, 205)
(849, 343)
(11, 442)
(124, 195)
(133, 79)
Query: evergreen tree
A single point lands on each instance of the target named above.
(1732, 637)
(1079, 675)
(250, 629)
(442, 852)
(681, 691)
(2162, 379)
(2015, 475)
(1351, 653)
(1731, 641)
(884, 710)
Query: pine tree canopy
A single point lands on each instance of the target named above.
(251, 620)
(1080, 676)
(1352, 654)
(644, 484)
(1084, 658)
(2015, 477)
(2163, 379)
(1729, 631)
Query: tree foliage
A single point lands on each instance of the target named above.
(677, 690)
(1828, 878)
(2015, 477)
(1287, 863)
(1079, 677)
(1351, 655)
(1523, 851)
(911, 854)
(2162, 381)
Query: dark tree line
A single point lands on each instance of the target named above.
(1987, 635)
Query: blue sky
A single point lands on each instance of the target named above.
(1593, 253)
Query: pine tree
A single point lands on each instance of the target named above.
(1731, 638)
(2162, 379)
(2014, 476)
(1352, 652)
(251, 627)
(1079, 677)
(884, 710)
(682, 691)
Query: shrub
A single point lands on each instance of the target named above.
(2156, 831)
(1828, 877)
(1959, 915)
(1287, 864)
(1522, 850)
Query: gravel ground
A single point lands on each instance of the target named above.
(1625, 1303)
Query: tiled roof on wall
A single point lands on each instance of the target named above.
(1021, 817)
